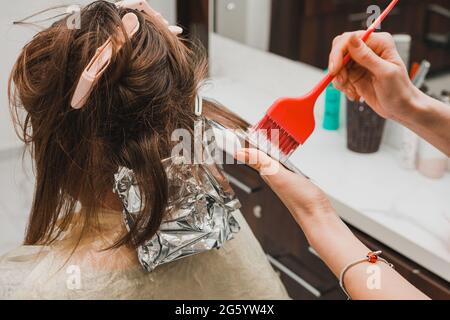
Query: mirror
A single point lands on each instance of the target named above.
(303, 30)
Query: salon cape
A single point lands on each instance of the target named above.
(239, 270)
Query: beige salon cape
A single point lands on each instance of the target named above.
(239, 270)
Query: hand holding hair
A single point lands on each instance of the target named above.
(304, 199)
(326, 232)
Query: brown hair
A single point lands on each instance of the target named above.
(148, 91)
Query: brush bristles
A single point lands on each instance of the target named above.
(276, 135)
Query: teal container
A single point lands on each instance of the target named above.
(331, 117)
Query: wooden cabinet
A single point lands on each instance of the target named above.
(302, 271)
(304, 29)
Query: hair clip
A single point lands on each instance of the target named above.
(198, 105)
(103, 55)
(143, 6)
(100, 62)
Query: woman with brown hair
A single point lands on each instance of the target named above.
(81, 130)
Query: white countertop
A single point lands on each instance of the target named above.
(400, 208)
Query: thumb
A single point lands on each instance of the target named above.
(271, 170)
(364, 56)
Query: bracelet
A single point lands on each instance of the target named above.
(372, 257)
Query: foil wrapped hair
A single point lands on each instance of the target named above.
(199, 214)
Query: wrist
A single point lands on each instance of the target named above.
(414, 103)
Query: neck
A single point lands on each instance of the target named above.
(112, 202)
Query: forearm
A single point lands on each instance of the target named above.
(328, 235)
(338, 247)
(430, 119)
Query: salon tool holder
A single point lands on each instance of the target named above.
(364, 128)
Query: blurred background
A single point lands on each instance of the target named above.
(391, 187)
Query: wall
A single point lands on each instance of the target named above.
(258, 23)
(245, 21)
(166, 7)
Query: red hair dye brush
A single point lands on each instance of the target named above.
(290, 121)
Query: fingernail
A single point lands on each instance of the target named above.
(355, 42)
(350, 96)
(176, 30)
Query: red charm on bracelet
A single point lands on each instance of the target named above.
(373, 257)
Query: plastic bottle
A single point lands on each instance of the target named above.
(331, 118)
(410, 143)
(431, 163)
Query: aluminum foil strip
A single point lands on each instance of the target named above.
(199, 214)
(246, 139)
